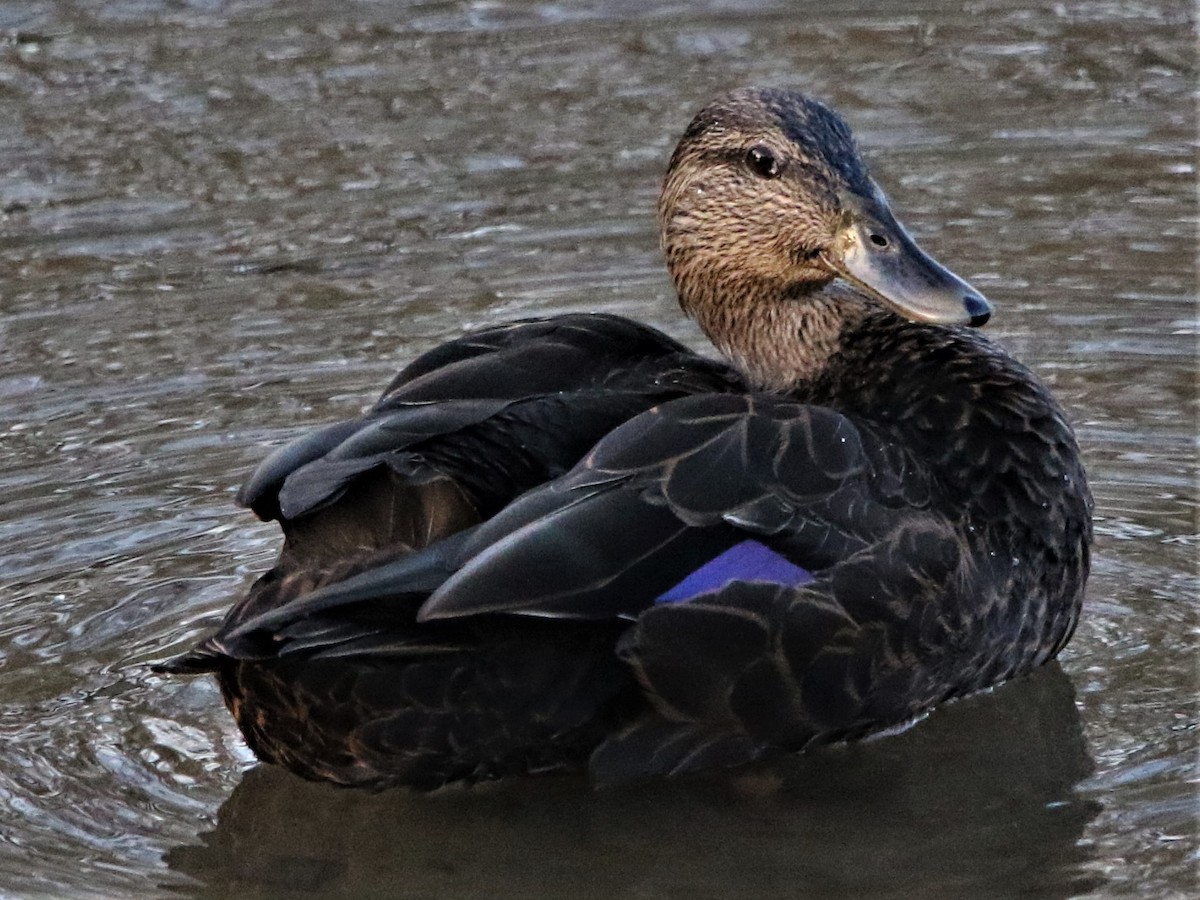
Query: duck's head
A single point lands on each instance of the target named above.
(767, 200)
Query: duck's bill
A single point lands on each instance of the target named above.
(874, 252)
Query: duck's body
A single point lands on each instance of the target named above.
(574, 540)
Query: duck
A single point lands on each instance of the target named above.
(572, 543)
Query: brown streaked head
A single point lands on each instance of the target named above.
(766, 187)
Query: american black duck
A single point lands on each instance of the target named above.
(572, 541)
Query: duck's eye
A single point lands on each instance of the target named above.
(879, 240)
(762, 162)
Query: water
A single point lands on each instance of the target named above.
(224, 222)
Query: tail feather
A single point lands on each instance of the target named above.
(201, 659)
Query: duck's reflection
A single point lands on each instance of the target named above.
(975, 802)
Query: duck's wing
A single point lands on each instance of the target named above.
(676, 503)
(688, 496)
(468, 426)
(459, 433)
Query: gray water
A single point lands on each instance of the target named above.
(222, 223)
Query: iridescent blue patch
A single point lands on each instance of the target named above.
(747, 561)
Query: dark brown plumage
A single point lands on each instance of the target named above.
(572, 540)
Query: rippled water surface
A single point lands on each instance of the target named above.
(224, 222)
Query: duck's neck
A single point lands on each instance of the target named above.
(779, 336)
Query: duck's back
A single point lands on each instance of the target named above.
(459, 433)
(502, 408)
